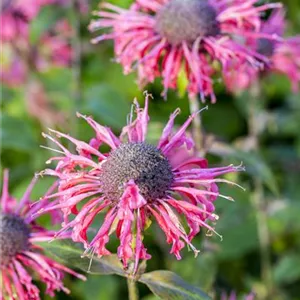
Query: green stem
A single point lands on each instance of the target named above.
(263, 235)
(257, 198)
(132, 289)
(76, 67)
(197, 124)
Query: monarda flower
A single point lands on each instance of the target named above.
(20, 57)
(16, 16)
(162, 38)
(134, 182)
(284, 56)
(20, 256)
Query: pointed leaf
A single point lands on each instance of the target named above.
(70, 253)
(168, 285)
(254, 163)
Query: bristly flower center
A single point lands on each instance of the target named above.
(186, 20)
(265, 47)
(144, 163)
(14, 237)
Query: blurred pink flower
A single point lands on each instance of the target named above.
(133, 182)
(284, 55)
(232, 296)
(162, 37)
(19, 254)
(53, 49)
(16, 16)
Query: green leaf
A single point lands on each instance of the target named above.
(288, 269)
(254, 163)
(16, 134)
(106, 104)
(206, 262)
(168, 285)
(70, 253)
(104, 288)
(256, 166)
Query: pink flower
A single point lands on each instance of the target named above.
(53, 49)
(232, 296)
(134, 182)
(162, 38)
(284, 55)
(20, 256)
(16, 16)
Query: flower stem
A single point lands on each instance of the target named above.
(132, 289)
(76, 66)
(263, 235)
(197, 124)
(257, 198)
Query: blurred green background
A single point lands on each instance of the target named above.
(105, 93)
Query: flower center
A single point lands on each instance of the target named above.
(14, 236)
(265, 47)
(144, 163)
(186, 20)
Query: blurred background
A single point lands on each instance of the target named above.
(54, 71)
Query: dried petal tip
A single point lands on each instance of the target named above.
(14, 236)
(186, 20)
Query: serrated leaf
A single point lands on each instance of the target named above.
(168, 285)
(70, 253)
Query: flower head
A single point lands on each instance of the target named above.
(163, 37)
(16, 16)
(284, 56)
(19, 255)
(135, 182)
(20, 56)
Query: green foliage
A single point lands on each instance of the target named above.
(107, 94)
(168, 285)
(71, 254)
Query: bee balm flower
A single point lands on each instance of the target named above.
(133, 182)
(163, 37)
(19, 255)
(284, 55)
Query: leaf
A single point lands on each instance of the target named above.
(70, 253)
(16, 134)
(206, 262)
(105, 288)
(168, 285)
(256, 166)
(253, 162)
(106, 104)
(288, 269)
